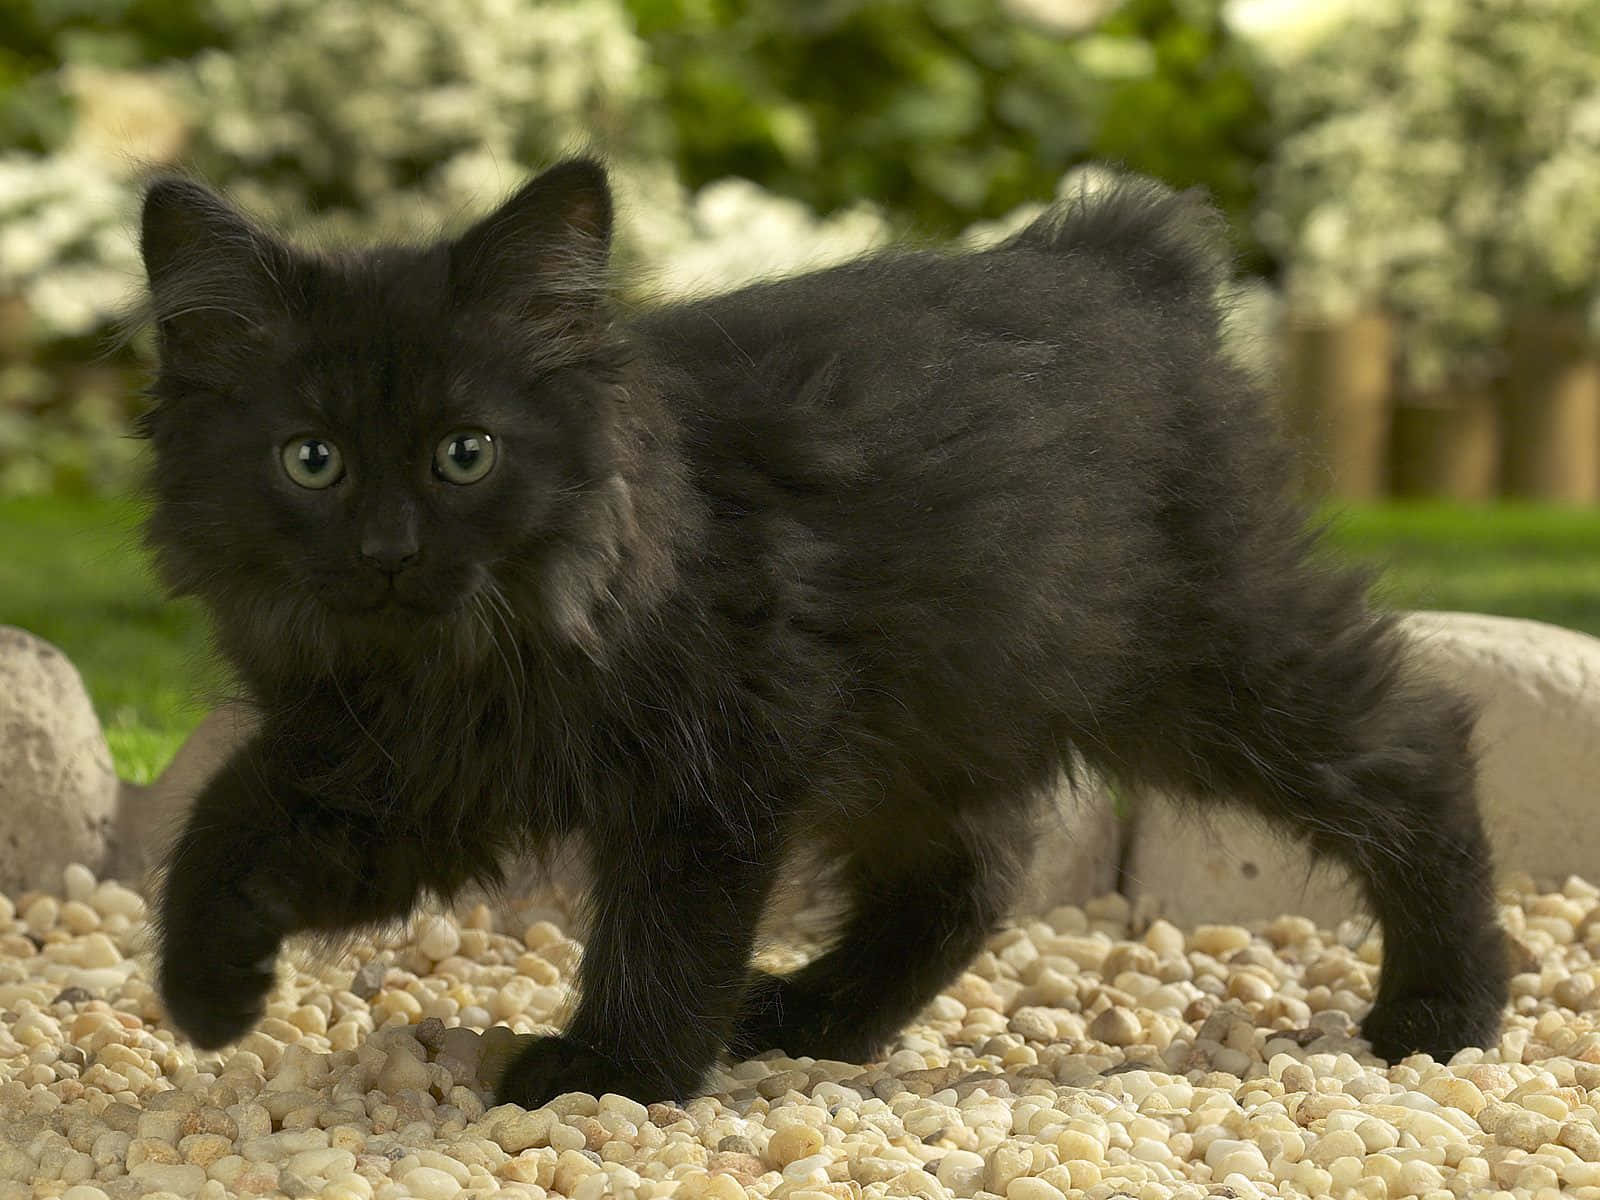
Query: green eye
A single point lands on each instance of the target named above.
(312, 462)
(465, 456)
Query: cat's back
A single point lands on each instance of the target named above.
(976, 452)
(1101, 307)
(1085, 350)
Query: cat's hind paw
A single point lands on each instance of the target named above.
(779, 1014)
(552, 1066)
(1432, 1025)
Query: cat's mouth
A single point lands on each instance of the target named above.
(397, 608)
(389, 602)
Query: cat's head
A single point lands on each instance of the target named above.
(360, 451)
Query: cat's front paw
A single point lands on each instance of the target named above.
(1431, 1025)
(214, 1002)
(553, 1066)
(217, 958)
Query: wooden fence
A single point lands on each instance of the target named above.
(1533, 433)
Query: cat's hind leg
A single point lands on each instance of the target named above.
(1307, 711)
(920, 905)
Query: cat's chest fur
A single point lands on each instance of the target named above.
(427, 751)
(522, 745)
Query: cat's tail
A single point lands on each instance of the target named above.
(1166, 240)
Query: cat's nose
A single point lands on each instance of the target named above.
(391, 555)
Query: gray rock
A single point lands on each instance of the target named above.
(368, 980)
(57, 786)
(1538, 745)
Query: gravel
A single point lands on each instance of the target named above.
(1088, 1052)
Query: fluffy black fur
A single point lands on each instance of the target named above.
(861, 559)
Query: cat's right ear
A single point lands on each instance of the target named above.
(215, 279)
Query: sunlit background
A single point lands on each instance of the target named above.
(1414, 190)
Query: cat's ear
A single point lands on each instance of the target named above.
(542, 256)
(215, 279)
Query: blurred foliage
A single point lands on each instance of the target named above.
(41, 36)
(350, 119)
(63, 429)
(952, 111)
(1197, 118)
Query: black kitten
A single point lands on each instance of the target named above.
(861, 559)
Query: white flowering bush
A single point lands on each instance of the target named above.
(64, 243)
(733, 232)
(67, 265)
(333, 118)
(1439, 160)
(341, 118)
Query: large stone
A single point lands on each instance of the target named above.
(1538, 746)
(1078, 853)
(57, 786)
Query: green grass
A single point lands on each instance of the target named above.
(72, 572)
(1512, 560)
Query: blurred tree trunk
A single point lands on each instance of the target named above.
(1550, 411)
(1338, 402)
(1446, 445)
(15, 324)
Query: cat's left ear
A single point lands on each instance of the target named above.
(542, 254)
